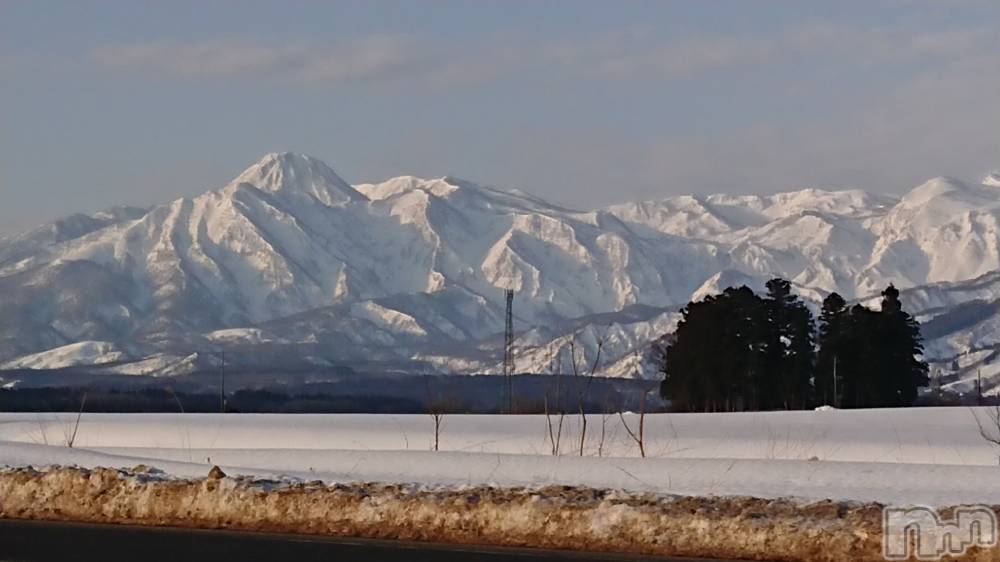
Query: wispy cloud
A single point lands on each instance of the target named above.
(367, 58)
(629, 53)
(639, 54)
(643, 55)
(197, 59)
(372, 57)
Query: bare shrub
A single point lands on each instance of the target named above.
(584, 389)
(554, 429)
(435, 409)
(989, 425)
(639, 435)
(43, 437)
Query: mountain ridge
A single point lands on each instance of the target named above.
(288, 255)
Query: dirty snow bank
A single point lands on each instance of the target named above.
(554, 517)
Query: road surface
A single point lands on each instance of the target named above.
(34, 541)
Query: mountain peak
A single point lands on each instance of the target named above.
(438, 187)
(938, 190)
(992, 179)
(290, 172)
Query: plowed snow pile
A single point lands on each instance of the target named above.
(815, 476)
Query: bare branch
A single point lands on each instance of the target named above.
(640, 436)
(994, 422)
(76, 426)
(176, 398)
(604, 427)
(434, 410)
(585, 390)
(555, 430)
(597, 358)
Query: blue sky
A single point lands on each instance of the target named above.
(584, 103)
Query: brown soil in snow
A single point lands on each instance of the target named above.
(557, 517)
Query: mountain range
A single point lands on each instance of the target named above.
(290, 267)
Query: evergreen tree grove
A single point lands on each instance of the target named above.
(739, 351)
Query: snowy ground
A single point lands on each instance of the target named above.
(922, 456)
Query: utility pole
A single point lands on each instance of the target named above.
(508, 354)
(222, 385)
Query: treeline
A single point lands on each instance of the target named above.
(375, 394)
(150, 400)
(740, 351)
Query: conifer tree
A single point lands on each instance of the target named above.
(900, 345)
(860, 364)
(714, 363)
(790, 343)
(828, 384)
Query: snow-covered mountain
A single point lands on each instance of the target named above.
(290, 265)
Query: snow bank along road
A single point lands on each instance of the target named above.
(570, 518)
(784, 485)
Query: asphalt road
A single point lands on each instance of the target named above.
(31, 541)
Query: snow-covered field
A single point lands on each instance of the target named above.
(921, 456)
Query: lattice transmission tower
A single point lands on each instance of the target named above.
(508, 355)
